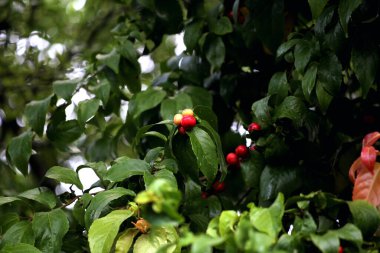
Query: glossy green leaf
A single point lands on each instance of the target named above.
(49, 229)
(207, 114)
(125, 240)
(145, 100)
(308, 81)
(302, 54)
(330, 73)
(187, 161)
(156, 238)
(324, 98)
(350, 232)
(205, 152)
(6, 200)
(111, 60)
(199, 96)
(278, 84)
(220, 26)
(168, 109)
(103, 231)
(102, 91)
(292, 108)
(64, 175)
(64, 132)
(42, 195)
(327, 243)
(20, 232)
(87, 109)
(20, 248)
(317, 7)
(127, 168)
(262, 111)
(345, 9)
(286, 46)
(365, 63)
(101, 200)
(365, 216)
(19, 151)
(65, 88)
(193, 32)
(251, 169)
(215, 51)
(35, 113)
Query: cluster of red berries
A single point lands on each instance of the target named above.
(233, 158)
(185, 121)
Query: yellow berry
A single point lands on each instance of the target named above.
(187, 112)
(177, 119)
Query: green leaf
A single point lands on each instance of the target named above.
(204, 244)
(127, 168)
(65, 88)
(324, 98)
(20, 232)
(302, 55)
(102, 91)
(308, 81)
(262, 111)
(49, 229)
(130, 75)
(35, 113)
(365, 217)
(199, 96)
(327, 243)
(220, 26)
(103, 231)
(187, 161)
(286, 46)
(193, 32)
(64, 175)
(42, 195)
(278, 84)
(227, 221)
(317, 7)
(330, 73)
(345, 9)
(350, 232)
(365, 64)
(19, 151)
(145, 100)
(20, 248)
(127, 50)
(292, 108)
(251, 169)
(125, 240)
(6, 200)
(215, 51)
(168, 109)
(100, 168)
(207, 114)
(101, 200)
(278, 179)
(156, 238)
(111, 60)
(64, 132)
(205, 152)
(87, 109)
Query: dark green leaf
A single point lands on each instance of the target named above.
(317, 7)
(251, 169)
(6, 200)
(35, 113)
(168, 109)
(292, 108)
(169, 13)
(193, 32)
(49, 229)
(199, 96)
(87, 109)
(101, 200)
(20, 232)
(330, 73)
(365, 63)
(127, 168)
(286, 46)
(42, 195)
(102, 91)
(345, 9)
(64, 132)
(130, 75)
(350, 232)
(302, 54)
(206, 113)
(215, 51)
(19, 151)
(20, 248)
(64, 175)
(146, 100)
(365, 217)
(324, 98)
(308, 81)
(205, 151)
(127, 50)
(111, 60)
(262, 111)
(186, 159)
(65, 88)
(278, 84)
(327, 243)
(103, 231)
(220, 26)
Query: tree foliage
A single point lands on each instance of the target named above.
(305, 72)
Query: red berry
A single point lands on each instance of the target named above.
(218, 186)
(204, 195)
(254, 127)
(241, 151)
(252, 147)
(181, 130)
(232, 159)
(340, 250)
(188, 122)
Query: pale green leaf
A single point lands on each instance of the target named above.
(19, 151)
(64, 175)
(42, 195)
(35, 113)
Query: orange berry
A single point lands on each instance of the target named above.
(177, 119)
(187, 112)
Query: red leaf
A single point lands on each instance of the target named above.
(367, 185)
(368, 157)
(355, 169)
(370, 139)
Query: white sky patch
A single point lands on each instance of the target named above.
(78, 4)
(37, 41)
(123, 110)
(55, 49)
(180, 45)
(22, 46)
(146, 63)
